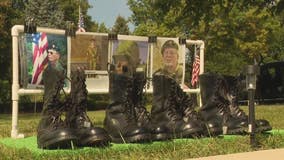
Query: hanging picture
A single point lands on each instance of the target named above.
(34, 56)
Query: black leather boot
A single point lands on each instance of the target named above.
(142, 115)
(166, 119)
(77, 118)
(262, 125)
(215, 106)
(120, 120)
(186, 106)
(52, 131)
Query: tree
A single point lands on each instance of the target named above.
(276, 38)
(120, 26)
(102, 28)
(8, 17)
(45, 13)
(71, 13)
(235, 32)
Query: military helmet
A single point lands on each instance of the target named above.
(169, 44)
(53, 48)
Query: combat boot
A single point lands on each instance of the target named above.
(186, 106)
(215, 107)
(120, 120)
(166, 120)
(77, 118)
(52, 131)
(142, 115)
(234, 84)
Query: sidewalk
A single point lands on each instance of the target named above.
(273, 154)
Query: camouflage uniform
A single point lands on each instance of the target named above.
(177, 75)
(92, 57)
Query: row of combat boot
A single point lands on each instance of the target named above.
(127, 119)
(76, 130)
(173, 113)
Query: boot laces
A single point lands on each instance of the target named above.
(234, 107)
(191, 114)
(223, 106)
(129, 107)
(172, 110)
(55, 118)
(57, 107)
(140, 100)
(79, 95)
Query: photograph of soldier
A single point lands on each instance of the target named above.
(92, 54)
(89, 52)
(34, 56)
(167, 60)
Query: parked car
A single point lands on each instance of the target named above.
(270, 84)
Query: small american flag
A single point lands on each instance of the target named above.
(40, 59)
(81, 25)
(195, 70)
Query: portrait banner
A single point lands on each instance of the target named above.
(34, 56)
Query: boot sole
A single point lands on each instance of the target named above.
(132, 139)
(64, 142)
(95, 141)
(61, 138)
(263, 129)
(237, 131)
(190, 133)
(213, 131)
(161, 137)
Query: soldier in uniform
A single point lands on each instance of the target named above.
(170, 57)
(92, 54)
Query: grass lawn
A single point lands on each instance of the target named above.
(175, 149)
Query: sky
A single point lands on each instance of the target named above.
(107, 11)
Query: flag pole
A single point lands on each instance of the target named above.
(80, 20)
(79, 15)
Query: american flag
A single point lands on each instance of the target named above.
(195, 70)
(81, 25)
(40, 59)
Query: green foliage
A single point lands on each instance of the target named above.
(8, 17)
(5, 93)
(71, 13)
(120, 26)
(237, 32)
(45, 13)
(276, 45)
(55, 13)
(102, 28)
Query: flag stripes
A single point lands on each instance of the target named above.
(40, 60)
(195, 70)
(81, 24)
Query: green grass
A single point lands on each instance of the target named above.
(176, 149)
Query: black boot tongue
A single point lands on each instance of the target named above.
(124, 69)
